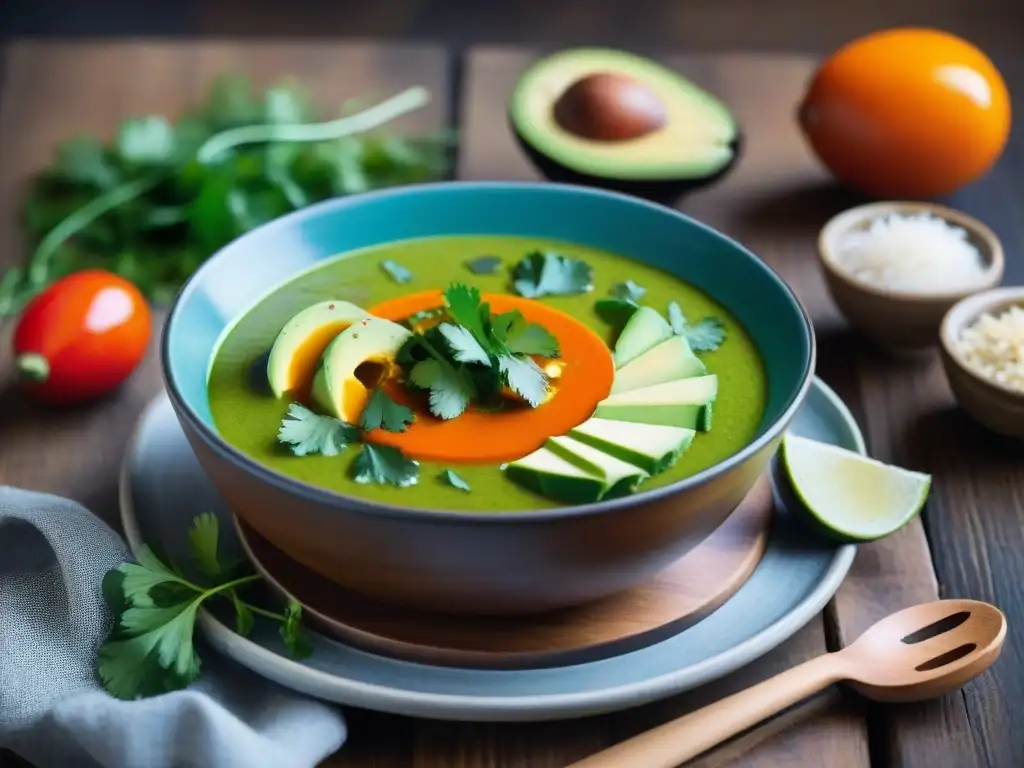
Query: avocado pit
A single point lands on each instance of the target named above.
(606, 106)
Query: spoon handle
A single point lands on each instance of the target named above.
(679, 740)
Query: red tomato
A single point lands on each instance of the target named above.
(81, 337)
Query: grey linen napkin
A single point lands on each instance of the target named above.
(53, 555)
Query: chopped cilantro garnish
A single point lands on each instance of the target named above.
(524, 377)
(484, 265)
(384, 465)
(448, 476)
(473, 357)
(396, 271)
(381, 412)
(627, 291)
(546, 273)
(615, 312)
(306, 432)
(676, 318)
(706, 335)
(450, 388)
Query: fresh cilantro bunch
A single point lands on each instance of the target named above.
(150, 649)
(155, 202)
(472, 356)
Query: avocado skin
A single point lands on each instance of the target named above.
(665, 192)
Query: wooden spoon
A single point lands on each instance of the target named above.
(918, 653)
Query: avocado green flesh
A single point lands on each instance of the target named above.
(652, 447)
(297, 332)
(249, 419)
(644, 330)
(371, 339)
(670, 360)
(555, 477)
(697, 140)
(620, 477)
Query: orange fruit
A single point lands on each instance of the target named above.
(907, 113)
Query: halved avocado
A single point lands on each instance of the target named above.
(614, 120)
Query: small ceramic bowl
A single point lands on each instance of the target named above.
(900, 321)
(996, 406)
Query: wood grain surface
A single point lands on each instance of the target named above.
(678, 597)
(774, 202)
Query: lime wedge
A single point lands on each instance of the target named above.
(850, 496)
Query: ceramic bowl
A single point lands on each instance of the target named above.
(899, 321)
(996, 406)
(484, 562)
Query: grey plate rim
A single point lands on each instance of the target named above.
(525, 708)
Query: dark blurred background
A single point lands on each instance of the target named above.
(695, 25)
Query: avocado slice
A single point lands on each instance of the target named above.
(298, 347)
(616, 120)
(645, 330)
(683, 403)
(355, 362)
(620, 478)
(547, 473)
(652, 447)
(670, 360)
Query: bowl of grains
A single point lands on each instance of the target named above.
(982, 346)
(895, 268)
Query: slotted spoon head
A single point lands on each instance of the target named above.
(926, 650)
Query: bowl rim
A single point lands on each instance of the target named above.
(966, 311)
(850, 217)
(356, 504)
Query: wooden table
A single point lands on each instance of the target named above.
(774, 202)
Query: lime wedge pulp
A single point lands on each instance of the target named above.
(853, 497)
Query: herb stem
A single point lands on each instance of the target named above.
(398, 105)
(78, 220)
(263, 612)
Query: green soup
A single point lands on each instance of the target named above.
(248, 416)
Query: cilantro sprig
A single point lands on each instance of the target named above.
(474, 355)
(151, 649)
(306, 433)
(706, 335)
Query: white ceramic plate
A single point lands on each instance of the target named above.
(163, 487)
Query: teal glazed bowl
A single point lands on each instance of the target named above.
(486, 562)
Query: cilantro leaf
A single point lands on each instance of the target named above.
(396, 271)
(615, 312)
(448, 476)
(466, 309)
(551, 274)
(706, 335)
(293, 633)
(464, 344)
(203, 541)
(148, 140)
(676, 318)
(450, 389)
(84, 161)
(484, 265)
(381, 412)
(384, 465)
(627, 291)
(150, 649)
(521, 337)
(525, 378)
(306, 432)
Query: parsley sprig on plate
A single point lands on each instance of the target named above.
(150, 649)
(473, 356)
